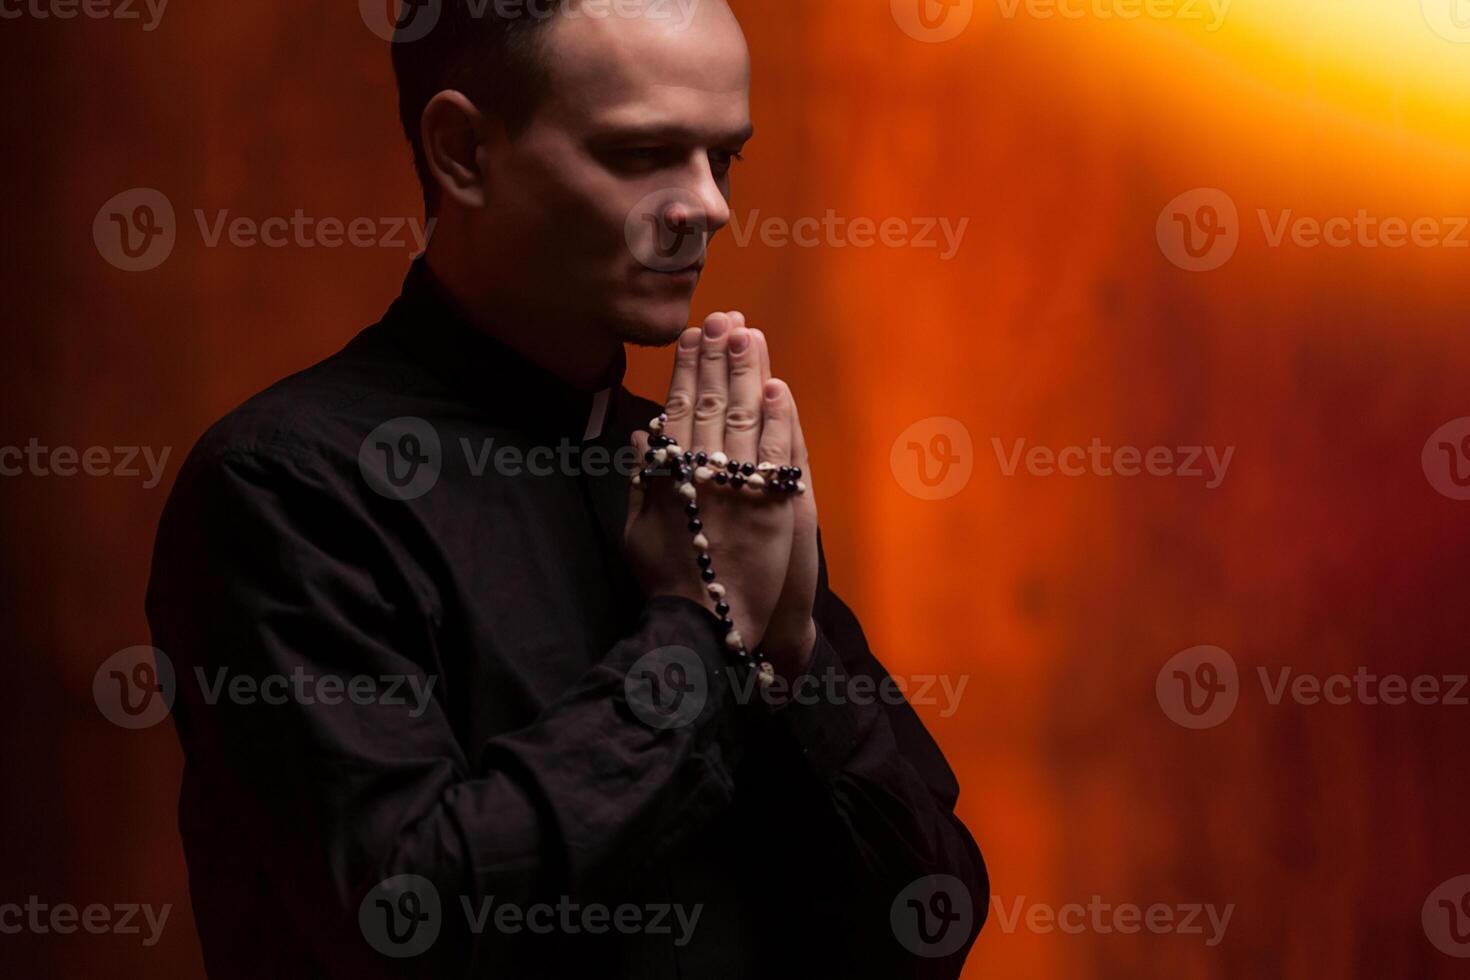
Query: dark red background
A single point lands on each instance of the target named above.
(1060, 320)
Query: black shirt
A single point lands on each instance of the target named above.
(425, 709)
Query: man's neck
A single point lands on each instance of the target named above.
(571, 352)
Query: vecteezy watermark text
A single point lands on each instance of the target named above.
(64, 918)
(1201, 687)
(669, 687)
(835, 231)
(1097, 459)
(90, 9)
(1104, 918)
(136, 230)
(34, 459)
(403, 915)
(136, 688)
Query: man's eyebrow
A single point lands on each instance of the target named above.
(680, 134)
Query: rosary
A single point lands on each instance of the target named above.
(690, 471)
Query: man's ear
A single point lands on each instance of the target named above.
(452, 130)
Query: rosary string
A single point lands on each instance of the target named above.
(691, 470)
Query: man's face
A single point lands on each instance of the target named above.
(600, 211)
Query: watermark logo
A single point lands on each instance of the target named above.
(1199, 687)
(1199, 230)
(401, 459)
(667, 230)
(1096, 459)
(401, 917)
(1446, 917)
(934, 458)
(1211, 13)
(933, 21)
(135, 231)
(135, 688)
(667, 688)
(1450, 19)
(1446, 459)
(933, 917)
(1105, 918)
(832, 230)
(400, 21)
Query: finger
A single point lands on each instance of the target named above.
(737, 319)
(713, 396)
(682, 386)
(637, 493)
(799, 455)
(743, 416)
(765, 351)
(777, 408)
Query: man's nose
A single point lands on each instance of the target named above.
(703, 205)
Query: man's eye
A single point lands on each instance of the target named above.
(722, 160)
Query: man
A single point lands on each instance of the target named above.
(449, 709)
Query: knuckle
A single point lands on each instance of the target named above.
(711, 405)
(741, 419)
(678, 406)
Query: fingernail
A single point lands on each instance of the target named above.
(740, 341)
(716, 327)
(689, 339)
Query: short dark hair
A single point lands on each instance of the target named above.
(475, 47)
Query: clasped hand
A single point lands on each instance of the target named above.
(722, 398)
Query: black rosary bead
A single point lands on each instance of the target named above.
(733, 466)
(708, 574)
(722, 608)
(737, 481)
(701, 458)
(722, 478)
(703, 559)
(748, 469)
(695, 526)
(692, 508)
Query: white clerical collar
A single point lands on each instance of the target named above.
(597, 415)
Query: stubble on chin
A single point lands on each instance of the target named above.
(642, 331)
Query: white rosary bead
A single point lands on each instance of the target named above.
(656, 426)
(660, 456)
(765, 469)
(733, 640)
(766, 674)
(716, 590)
(801, 486)
(687, 491)
(701, 543)
(720, 460)
(756, 482)
(704, 474)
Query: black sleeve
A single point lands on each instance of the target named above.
(266, 567)
(891, 791)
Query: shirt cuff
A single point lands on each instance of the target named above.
(825, 722)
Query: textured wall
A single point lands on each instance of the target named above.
(1063, 317)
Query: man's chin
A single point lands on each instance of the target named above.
(648, 324)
